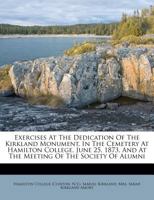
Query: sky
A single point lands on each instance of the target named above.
(64, 12)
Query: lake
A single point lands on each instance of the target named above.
(19, 49)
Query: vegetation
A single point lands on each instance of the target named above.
(97, 29)
(131, 28)
(80, 49)
(5, 81)
(131, 39)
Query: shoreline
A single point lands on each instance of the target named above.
(52, 35)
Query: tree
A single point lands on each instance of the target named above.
(136, 25)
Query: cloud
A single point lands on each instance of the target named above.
(51, 12)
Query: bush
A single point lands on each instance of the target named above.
(5, 81)
(80, 49)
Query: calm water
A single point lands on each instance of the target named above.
(12, 50)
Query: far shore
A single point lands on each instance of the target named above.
(53, 35)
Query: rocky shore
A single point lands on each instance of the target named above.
(77, 82)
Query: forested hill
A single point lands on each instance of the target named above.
(97, 29)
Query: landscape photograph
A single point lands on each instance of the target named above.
(76, 65)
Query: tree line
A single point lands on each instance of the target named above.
(97, 29)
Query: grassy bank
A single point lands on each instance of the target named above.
(80, 49)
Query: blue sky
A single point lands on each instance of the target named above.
(53, 12)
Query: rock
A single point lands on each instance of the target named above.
(74, 79)
(79, 86)
(99, 76)
(138, 76)
(133, 124)
(109, 80)
(101, 106)
(112, 106)
(35, 78)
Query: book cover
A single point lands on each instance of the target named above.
(76, 99)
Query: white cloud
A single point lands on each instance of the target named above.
(47, 12)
